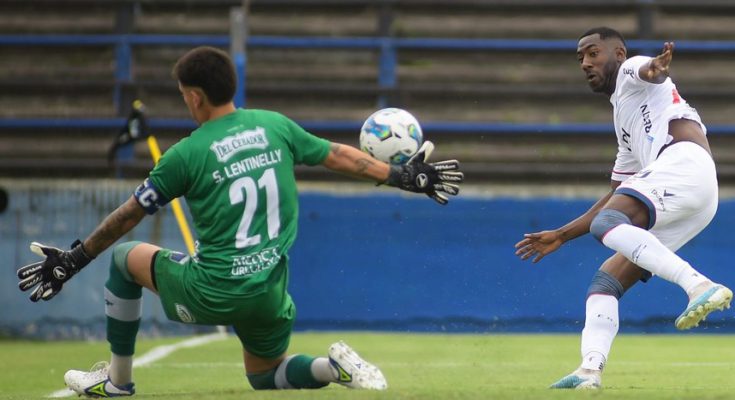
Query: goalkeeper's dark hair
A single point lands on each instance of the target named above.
(605, 33)
(209, 69)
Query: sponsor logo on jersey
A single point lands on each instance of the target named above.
(646, 115)
(241, 141)
(675, 98)
(628, 71)
(256, 262)
(626, 138)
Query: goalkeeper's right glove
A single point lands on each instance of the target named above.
(435, 179)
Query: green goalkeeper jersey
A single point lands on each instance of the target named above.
(237, 175)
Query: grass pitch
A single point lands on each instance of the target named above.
(417, 367)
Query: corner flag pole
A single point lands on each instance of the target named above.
(175, 204)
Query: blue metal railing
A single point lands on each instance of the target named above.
(494, 128)
(377, 43)
(387, 47)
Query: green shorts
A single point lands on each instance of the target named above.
(262, 322)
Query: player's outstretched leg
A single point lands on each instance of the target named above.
(353, 371)
(579, 379)
(709, 298)
(96, 382)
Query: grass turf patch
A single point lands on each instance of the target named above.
(417, 366)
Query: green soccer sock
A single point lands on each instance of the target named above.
(263, 381)
(122, 303)
(295, 373)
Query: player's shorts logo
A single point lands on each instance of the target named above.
(184, 314)
(659, 198)
(177, 257)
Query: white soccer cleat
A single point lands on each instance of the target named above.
(717, 297)
(579, 379)
(353, 371)
(96, 382)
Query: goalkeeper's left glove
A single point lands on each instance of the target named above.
(435, 179)
(49, 275)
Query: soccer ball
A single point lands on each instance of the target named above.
(391, 135)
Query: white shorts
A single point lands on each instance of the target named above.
(680, 190)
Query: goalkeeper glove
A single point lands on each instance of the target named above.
(49, 275)
(435, 179)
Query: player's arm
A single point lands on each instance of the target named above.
(581, 225)
(436, 180)
(351, 161)
(147, 199)
(112, 228)
(657, 69)
(539, 244)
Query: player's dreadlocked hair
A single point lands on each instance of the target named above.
(211, 70)
(605, 33)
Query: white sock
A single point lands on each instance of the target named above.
(323, 371)
(600, 328)
(121, 369)
(645, 250)
(320, 369)
(280, 378)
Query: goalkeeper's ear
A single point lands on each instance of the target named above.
(423, 153)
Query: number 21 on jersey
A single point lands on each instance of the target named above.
(246, 189)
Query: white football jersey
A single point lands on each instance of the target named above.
(641, 113)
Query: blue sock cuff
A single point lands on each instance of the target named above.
(604, 283)
(606, 220)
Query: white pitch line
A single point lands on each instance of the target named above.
(156, 354)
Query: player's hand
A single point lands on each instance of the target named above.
(49, 275)
(658, 68)
(437, 179)
(538, 245)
